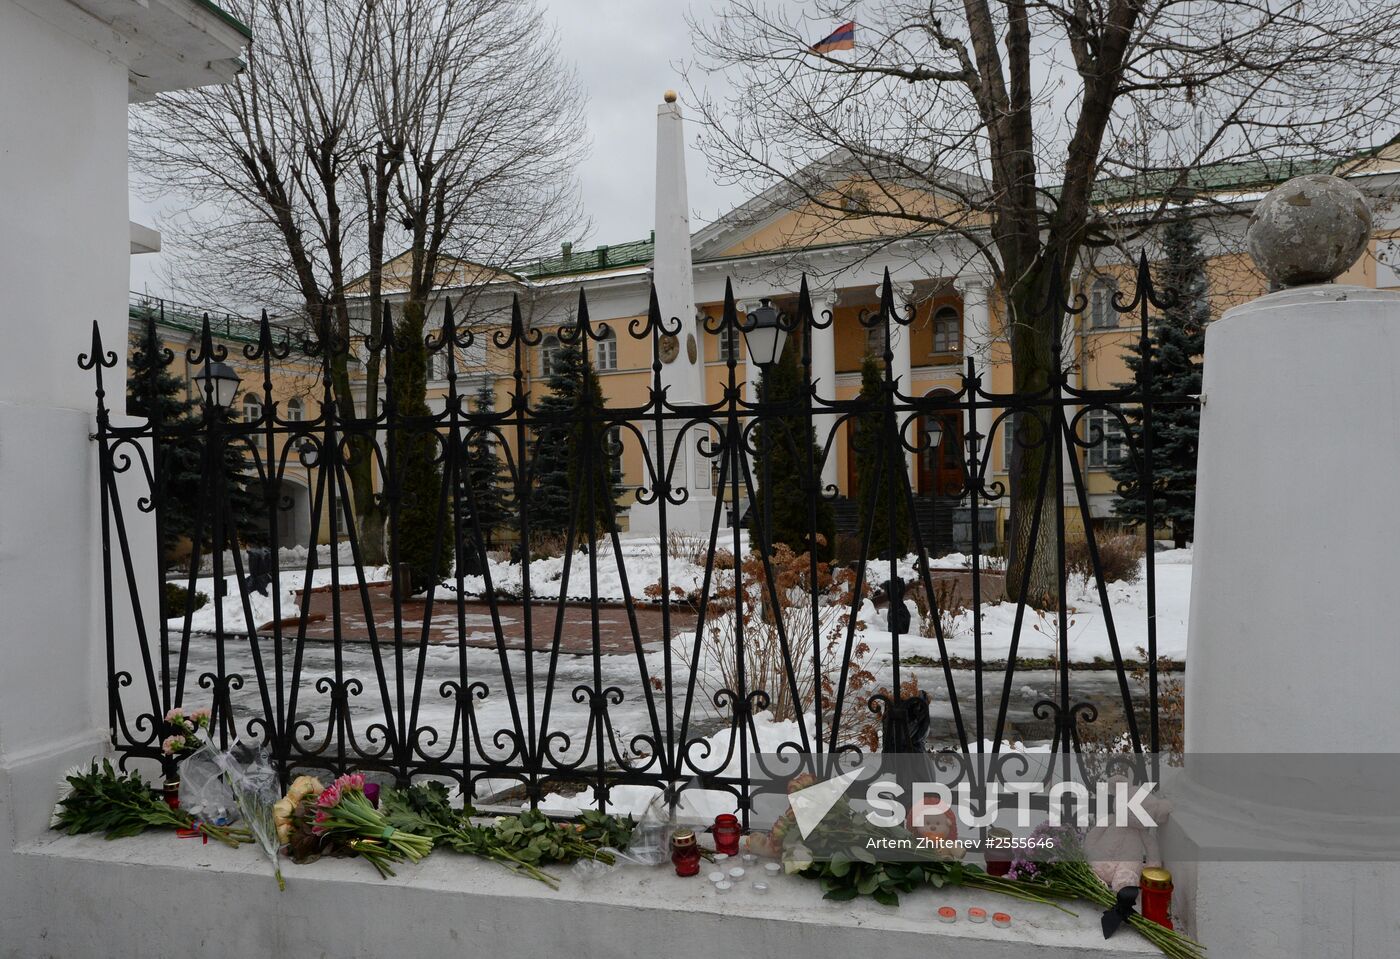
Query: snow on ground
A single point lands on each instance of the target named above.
(262, 606)
(1087, 621)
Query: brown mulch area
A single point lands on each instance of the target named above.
(473, 621)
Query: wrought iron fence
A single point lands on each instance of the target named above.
(538, 683)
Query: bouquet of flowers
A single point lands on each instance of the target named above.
(521, 843)
(253, 781)
(1058, 868)
(344, 816)
(845, 865)
(99, 800)
(184, 731)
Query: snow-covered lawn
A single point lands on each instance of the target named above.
(1087, 620)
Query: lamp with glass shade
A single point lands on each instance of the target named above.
(220, 384)
(764, 335)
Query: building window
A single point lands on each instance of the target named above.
(729, 345)
(1112, 446)
(947, 330)
(614, 452)
(606, 354)
(550, 350)
(875, 339)
(296, 410)
(252, 408)
(1102, 315)
(474, 356)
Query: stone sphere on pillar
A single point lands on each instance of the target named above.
(1309, 230)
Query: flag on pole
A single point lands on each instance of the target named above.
(843, 38)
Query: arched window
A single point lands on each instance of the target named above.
(296, 410)
(875, 339)
(947, 330)
(550, 348)
(1102, 315)
(606, 353)
(252, 408)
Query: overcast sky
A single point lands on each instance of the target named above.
(626, 53)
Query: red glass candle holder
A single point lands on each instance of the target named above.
(997, 851)
(1155, 884)
(685, 853)
(726, 832)
(171, 793)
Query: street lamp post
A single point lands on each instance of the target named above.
(764, 337)
(219, 384)
(934, 431)
(310, 456)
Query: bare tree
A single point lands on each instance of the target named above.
(1028, 127)
(359, 129)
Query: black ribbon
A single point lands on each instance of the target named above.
(1121, 911)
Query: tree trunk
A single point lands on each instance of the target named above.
(369, 515)
(1032, 468)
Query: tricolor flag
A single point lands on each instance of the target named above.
(843, 38)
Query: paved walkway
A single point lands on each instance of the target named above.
(473, 621)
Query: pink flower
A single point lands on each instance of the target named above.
(172, 745)
(331, 796)
(200, 715)
(175, 715)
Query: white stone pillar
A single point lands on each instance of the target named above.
(1292, 634)
(975, 290)
(824, 377)
(901, 367)
(683, 369)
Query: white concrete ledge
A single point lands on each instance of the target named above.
(162, 896)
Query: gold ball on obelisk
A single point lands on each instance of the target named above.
(669, 96)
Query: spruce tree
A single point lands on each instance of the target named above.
(558, 462)
(482, 497)
(1175, 347)
(875, 434)
(789, 443)
(419, 481)
(155, 393)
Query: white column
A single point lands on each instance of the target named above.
(901, 367)
(684, 376)
(977, 340)
(824, 377)
(1292, 624)
(64, 262)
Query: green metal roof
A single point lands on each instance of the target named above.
(225, 16)
(607, 257)
(182, 316)
(1212, 177)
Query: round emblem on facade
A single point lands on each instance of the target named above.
(690, 347)
(669, 348)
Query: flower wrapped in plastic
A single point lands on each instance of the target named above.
(345, 816)
(253, 780)
(185, 728)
